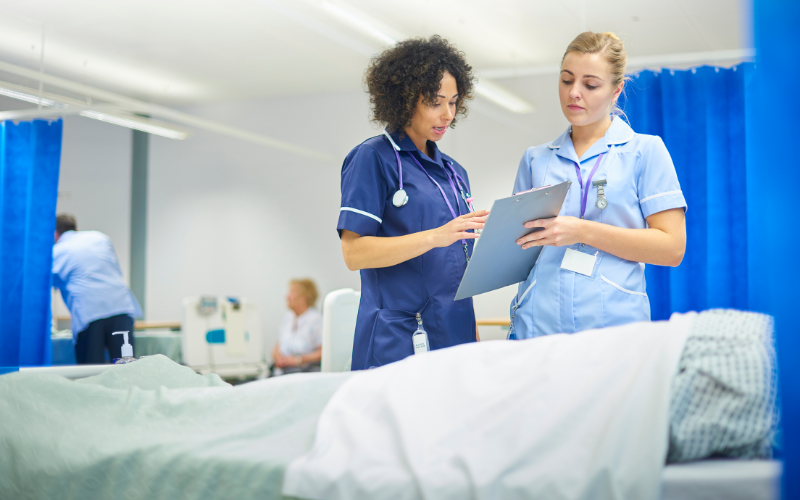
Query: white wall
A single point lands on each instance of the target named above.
(234, 218)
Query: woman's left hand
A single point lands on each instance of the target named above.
(557, 232)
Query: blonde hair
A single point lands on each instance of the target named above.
(307, 289)
(611, 47)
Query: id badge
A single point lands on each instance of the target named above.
(420, 340)
(580, 259)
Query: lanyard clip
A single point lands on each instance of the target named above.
(419, 321)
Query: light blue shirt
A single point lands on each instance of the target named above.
(86, 270)
(641, 181)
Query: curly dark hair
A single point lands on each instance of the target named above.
(397, 78)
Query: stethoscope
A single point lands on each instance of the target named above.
(400, 197)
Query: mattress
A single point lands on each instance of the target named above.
(722, 480)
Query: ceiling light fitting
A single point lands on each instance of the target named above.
(31, 98)
(102, 113)
(485, 88)
(135, 124)
(358, 22)
(134, 105)
(503, 97)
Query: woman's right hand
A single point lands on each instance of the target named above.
(457, 228)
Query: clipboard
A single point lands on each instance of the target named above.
(497, 260)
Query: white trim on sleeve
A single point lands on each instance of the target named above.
(348, 209)
(660, 195)
(620, 288)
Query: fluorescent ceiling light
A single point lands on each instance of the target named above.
(503, 97)
(358, 22)
(135, 105)
(135, 124)
(93, 60)
(31, 98)
(487, 89)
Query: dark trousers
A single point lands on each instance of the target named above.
(98, 337)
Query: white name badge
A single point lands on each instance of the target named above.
(420, 340)
(579, 262)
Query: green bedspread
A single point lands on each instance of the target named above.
(154, 430)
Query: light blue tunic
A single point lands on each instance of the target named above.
(641, 182)
(86, 270)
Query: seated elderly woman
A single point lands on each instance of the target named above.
(299, 346)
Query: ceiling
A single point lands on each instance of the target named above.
(178, 52)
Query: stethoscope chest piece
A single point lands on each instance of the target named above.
(400, 198)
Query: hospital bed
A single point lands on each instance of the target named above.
(703, 480)
(205, 439)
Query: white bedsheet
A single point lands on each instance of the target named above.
(573, 417)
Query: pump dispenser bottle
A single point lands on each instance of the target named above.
(127, 350)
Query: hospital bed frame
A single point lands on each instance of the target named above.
(71, 372)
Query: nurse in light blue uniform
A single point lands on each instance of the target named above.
(624, 208)
(406, 217)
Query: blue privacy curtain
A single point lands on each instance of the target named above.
(30, 154)
(773, 196)
(700, 114)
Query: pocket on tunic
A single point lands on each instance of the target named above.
(622, 305)
(391, 336)
(392, 332)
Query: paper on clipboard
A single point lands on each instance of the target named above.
(497, 260)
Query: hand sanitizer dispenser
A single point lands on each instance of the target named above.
(127, 350)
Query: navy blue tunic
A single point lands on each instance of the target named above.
(391, 296)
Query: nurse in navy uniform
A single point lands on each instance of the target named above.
(406, 220)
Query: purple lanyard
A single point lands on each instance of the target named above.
(452, 185)
(455, 193)
(461, 183)
(467, 197)
(585, 192)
